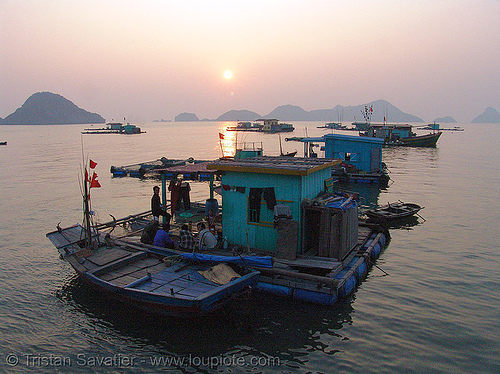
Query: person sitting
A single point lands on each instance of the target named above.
(186, 241)
(206, 240)
(156, 208)
(210, 218)
(149, 232)
(162, 238)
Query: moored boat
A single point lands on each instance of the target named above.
(393, 211)
(429, 140)
(151, 278)
(401, 135)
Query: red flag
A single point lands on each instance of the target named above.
(221, 136)
(93, 164)
(94, 183)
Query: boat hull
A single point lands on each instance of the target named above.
(151, 279)
(429, 140)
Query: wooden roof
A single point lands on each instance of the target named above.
(274, 165)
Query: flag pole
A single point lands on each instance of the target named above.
(221, 136)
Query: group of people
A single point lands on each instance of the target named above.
(160, 237)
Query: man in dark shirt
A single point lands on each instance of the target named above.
(156, 208)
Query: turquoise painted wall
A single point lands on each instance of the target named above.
(288, 190)
(359, 148)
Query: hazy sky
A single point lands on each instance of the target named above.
(151, 59)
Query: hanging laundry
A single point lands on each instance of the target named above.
(254, 199)
(270, 197)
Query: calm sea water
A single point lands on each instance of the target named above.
(438, 310)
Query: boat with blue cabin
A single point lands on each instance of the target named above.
(401, 135)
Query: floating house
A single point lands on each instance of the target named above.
(361, 156)
(254, 189)
(279, 206)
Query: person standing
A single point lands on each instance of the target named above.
(156, 208)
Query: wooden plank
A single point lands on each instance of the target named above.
(104, 256)
(123, 280)
(167, 289)
(311, 263)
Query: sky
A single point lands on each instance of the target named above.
(151, 59)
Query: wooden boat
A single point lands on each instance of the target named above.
(3, 143)
(394, 211)
(152, 279)
(428, 140)
(149, 277)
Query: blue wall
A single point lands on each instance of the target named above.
(362, 150)
(289, 190)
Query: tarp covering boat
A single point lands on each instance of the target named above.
(250, 261)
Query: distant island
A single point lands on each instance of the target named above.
(490, 115)
(381, 109)
(447, 119)
(46, 108)
(187, 117)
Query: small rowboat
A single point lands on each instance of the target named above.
(394, 211)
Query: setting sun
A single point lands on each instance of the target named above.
(228, 74)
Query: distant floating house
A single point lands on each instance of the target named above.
(361, 157)
(115, 128)
(262, 125)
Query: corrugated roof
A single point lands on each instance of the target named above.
(274, 165)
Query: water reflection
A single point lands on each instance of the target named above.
(264, 326)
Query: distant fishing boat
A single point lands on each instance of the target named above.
(401, 135)
(333, 126)
(115, 128)
(3, 143)
(436, 126)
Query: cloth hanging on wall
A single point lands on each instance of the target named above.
(270, 197)
(254, 198)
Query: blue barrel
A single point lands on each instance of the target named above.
(348, 286)
(274, 289)
(211, 204)
(361, 270)
(376, 251)
(314, 297)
